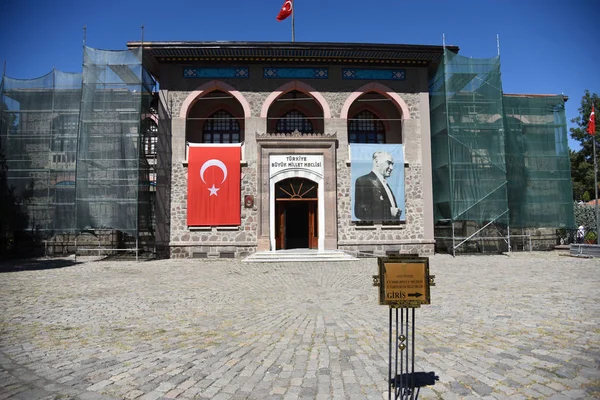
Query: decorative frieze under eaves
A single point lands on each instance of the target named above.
(296, 135)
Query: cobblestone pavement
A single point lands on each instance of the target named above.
(524, 326)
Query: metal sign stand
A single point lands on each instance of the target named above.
(404, 284)
(401, 370)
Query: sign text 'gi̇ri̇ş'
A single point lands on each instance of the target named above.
(281, 163)
(404, 282)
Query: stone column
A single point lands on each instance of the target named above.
(257, 126)
(426, 165)
(411, 132)
(339, 128)
(178, 179)
(254, 126)
(178, 139)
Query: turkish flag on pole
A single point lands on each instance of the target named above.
(286, 10)
(213, 185)
(591, 129)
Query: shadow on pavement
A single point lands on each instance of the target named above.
(421, 379)
(16, 265)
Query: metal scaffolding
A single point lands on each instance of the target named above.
(500, 162)
(38, 137)
(80, 153)
(113, 190)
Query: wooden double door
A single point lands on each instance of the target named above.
(296, 214)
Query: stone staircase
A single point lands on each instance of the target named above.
(302, 255)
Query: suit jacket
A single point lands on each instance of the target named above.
(371, 202)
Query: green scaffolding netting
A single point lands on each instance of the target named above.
(113, 183)
(38, 137)
(496, 158)
(538, 168)
(469, 168)
(76, 145)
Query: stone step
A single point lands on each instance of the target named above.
(302, 255)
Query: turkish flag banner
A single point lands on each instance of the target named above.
(286, 10)
(213, 185)
(591, 129)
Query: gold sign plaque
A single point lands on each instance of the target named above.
(404, 281)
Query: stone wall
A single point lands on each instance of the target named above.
(89, 243)
(409, 237)
(378, 239)
(211, 241)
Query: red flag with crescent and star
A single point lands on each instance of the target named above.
(286, 10)
(591, 129)
(213, 185)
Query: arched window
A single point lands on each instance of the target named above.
(221, 127)
(294, 120)
(365, 127)
(296, 188)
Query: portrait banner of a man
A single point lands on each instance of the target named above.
(377, 182)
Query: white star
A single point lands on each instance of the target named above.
(213, 190)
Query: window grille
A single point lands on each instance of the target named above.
(366, 127)
(221, 127)
(292, 121)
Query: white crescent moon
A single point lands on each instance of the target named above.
(213, 163)
(286, 3)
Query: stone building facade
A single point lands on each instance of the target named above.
(265, 90)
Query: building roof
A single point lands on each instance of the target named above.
(527, 95)
(156, 53)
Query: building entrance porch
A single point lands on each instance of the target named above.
(296, 216)
(297, 206)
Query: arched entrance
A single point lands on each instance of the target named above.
(296, 214)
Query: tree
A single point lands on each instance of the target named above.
(582, 161)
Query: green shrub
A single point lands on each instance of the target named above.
(585, 215)
(590, 237)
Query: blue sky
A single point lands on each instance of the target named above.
(550, 46)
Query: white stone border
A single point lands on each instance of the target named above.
(298, 173)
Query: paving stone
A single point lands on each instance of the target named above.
(191, 329)
(26, 394)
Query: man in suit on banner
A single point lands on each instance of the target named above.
(373, 197)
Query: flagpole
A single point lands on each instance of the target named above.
(596, 190)
(293, 29)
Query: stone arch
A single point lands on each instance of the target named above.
(301, 87)
(377, 88)
(298, 173)
(209, 87)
